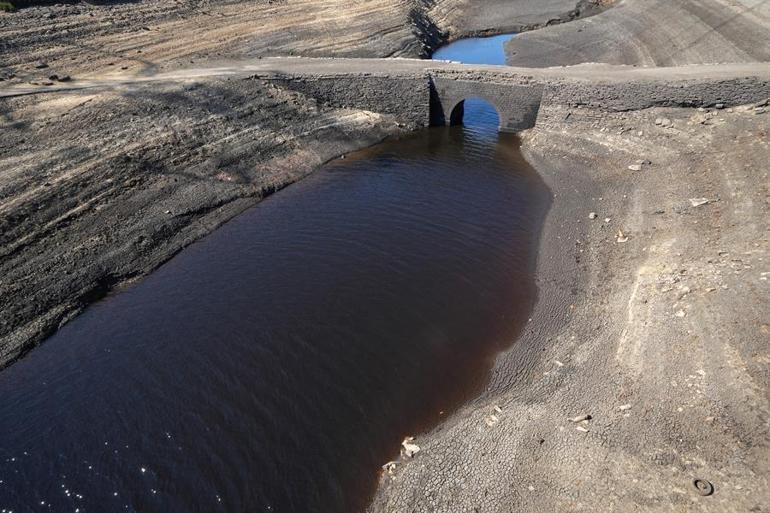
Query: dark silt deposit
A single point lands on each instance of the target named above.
(277, 364)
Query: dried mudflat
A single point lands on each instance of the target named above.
(652, 317)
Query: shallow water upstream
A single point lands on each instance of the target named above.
(278, 362)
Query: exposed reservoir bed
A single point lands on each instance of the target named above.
(277, 363)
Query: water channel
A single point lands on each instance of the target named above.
(276, 364)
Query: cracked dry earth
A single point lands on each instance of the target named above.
(660, 335)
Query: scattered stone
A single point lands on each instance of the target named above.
(558, 363)
(65, 78)
(680, 313)
(580, 418)
(607, 219)
(624, 407)
(635, 167)
(53, 77)
(621, 237)
(759, 110)
(491, 420)
(167, 212)
(664, 122)
(389, 467)
(592, 215)
(409, 448)
(41, 65)
(582, 429)
(763, 103)
(498, 409)
(697, 202)
(719, 106)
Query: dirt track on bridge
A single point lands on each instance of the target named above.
(662, 338)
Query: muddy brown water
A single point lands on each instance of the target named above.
(276, 364)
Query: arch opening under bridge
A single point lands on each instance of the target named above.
(485, 112)
(516, 105)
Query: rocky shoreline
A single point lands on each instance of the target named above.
(644, 365)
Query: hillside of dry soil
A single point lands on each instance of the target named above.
(653, 33)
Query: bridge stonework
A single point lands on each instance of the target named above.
(421, 99)
(406, 98)
(422, 93)
(517, 105)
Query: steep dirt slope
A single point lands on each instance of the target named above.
(460, 18)
(653, 33)
(97, 189)
(146, 36)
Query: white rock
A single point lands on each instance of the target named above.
(697, 202)
(410, 449)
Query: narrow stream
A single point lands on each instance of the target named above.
(276, 364)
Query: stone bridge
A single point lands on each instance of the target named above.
(421, 92)
(516, 105)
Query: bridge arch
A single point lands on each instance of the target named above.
(457, 110)
(517, 105)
